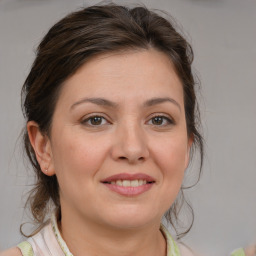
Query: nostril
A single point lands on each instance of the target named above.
(125, 158)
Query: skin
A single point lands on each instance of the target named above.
(126, 139)
(11, 252)
(251, 250)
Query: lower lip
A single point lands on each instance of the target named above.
(129, 191)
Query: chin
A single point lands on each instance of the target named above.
(132, 219)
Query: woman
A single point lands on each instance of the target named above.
(112, 120)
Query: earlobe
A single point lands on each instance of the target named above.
(42, 147)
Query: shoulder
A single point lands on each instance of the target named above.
(185, 250)
(15, 251)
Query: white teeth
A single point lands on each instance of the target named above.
(134, 183)
(119, 183)
(129, 183)
(126, 183)
(140, 182)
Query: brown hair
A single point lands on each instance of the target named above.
(73, 41)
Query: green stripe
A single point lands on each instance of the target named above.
(26, 249)
(239, 252)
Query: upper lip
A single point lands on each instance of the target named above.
(128, 176)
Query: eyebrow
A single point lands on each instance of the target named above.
(108, 103)
(156, 101)
(97, 101)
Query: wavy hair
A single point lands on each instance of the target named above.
(74, 40)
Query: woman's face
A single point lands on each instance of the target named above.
(119, 144)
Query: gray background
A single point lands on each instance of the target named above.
(223, 35)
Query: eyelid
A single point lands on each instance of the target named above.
(169, 119)
(87, 117)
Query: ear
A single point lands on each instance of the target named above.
(42, 147)
(189, 145)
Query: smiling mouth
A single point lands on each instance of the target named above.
(129, 183)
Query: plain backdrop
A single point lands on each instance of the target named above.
(223, 36)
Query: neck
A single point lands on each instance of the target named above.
(96, 239)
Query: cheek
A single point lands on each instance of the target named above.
(76, 163)
(173, 154)
(76, 157)
(170, 156)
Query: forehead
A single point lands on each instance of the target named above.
(128, 74)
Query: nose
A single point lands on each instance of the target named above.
(130, 144)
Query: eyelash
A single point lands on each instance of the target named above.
(86, 121)
(168, 120)
(90, 118)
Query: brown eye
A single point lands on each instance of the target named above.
(161, 121)
(158, 120)
(94, 121)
